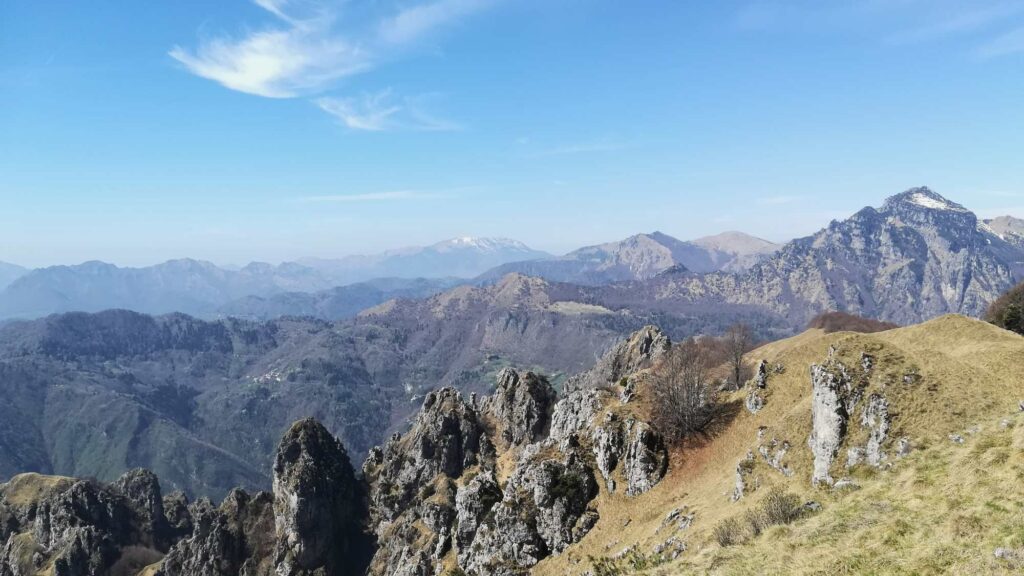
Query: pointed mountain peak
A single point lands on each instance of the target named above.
(922, 197)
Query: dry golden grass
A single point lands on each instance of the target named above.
(942, 509)
(25, 489)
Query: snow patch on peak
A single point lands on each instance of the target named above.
(929, 201)
(482, 244)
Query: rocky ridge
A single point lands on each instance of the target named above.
(493, 485)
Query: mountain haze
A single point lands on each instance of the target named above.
(644, 256)
(203, 289)
(464, 257)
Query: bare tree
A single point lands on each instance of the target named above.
(737, 341)
(683, 398)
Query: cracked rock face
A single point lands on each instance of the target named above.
(646, 458)
(875, 418)
(316, 501)
(829, 389)
(639, 351)
(80, 527)
(413, 498)
(545, 508)
(522, 405)
(633, 447)
(836, 396)
(575, 412)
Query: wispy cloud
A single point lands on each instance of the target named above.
(414, 22)
(306, 50)
(298, 57)
(382, 111)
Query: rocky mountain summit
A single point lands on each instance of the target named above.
(916, 257)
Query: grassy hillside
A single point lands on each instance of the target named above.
(953, 386)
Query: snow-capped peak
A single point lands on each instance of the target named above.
(932, 202)
(924, 198)
(482, 244)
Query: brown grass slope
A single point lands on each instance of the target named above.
(944, 508)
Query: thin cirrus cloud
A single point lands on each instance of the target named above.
(415, 22)
(305, 53)
(381, 111)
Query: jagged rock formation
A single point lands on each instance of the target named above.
(437, 497)
(310, 526)
(637, 352)
(521, 406)
(433, 498)
(316, 502)
(80, 527)
(412, 483)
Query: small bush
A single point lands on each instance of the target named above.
(730, 532)
(776, 508)
(780, 507)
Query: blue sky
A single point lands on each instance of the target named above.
(236, 130)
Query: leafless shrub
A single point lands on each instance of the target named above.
(683, 400)
(738, 341)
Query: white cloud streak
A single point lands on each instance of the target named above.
(411, 24)
(382, 111)
(305, 53)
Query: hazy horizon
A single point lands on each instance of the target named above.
(272, 130)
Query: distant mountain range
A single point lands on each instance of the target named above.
(644, 256)
(917, 256)
(339, 288)
(459, 257)
(203, 289)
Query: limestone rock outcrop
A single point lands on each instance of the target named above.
(521, 406)
(637, 352)
(838, 393)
